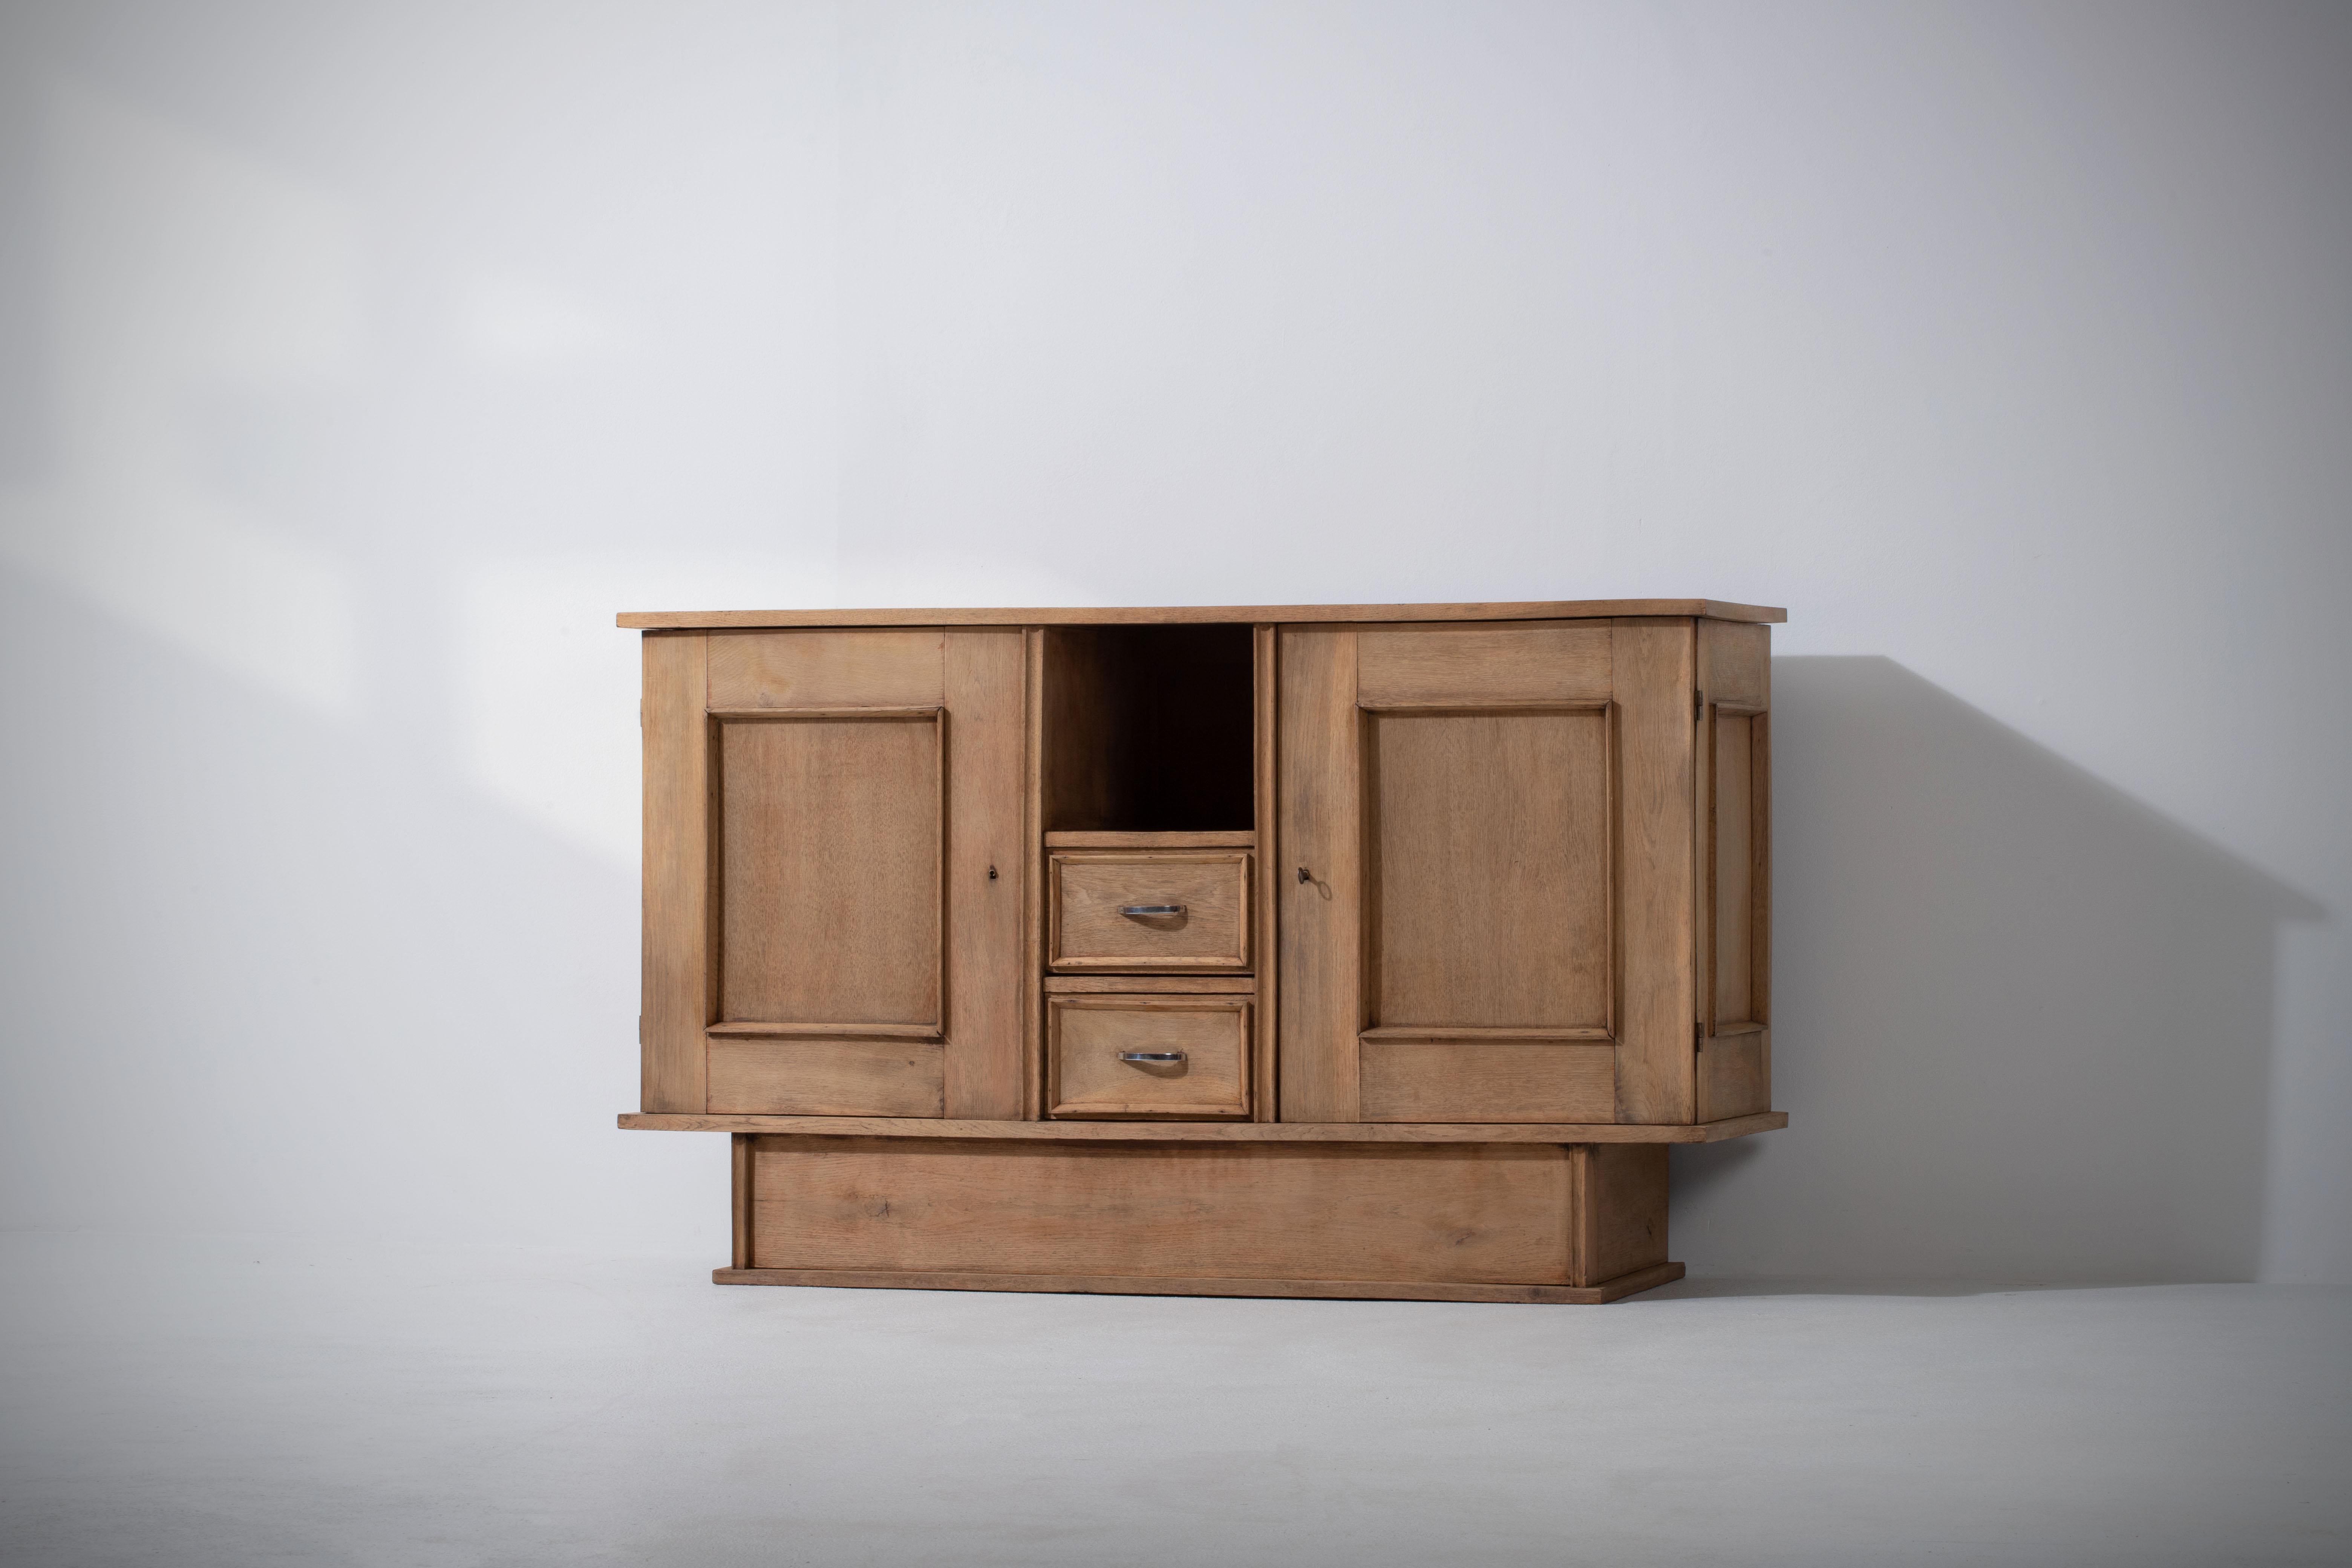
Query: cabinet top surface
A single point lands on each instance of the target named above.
(1179, 615)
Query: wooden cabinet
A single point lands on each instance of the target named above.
(1460, 912)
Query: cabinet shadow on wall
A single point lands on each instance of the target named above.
(2022, 1021)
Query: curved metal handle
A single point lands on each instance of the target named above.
(1152, 908)
(1151, 1056)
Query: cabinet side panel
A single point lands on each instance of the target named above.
(1735, 664)
(1734, 915)
(1624, 1200)
(1657, 734)
(1731, 908)
(1733, 1076)
(675, 997)
(1318, 881)
(987, 776)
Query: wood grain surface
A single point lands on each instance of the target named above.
(1446, 1214)
(1487, 1080)
(861, 1077)
(1658, 857)
(1086, 1036)
(676, 995)
(1212, 1132)
(1182, 615)
(987, 783)
(1089, 887)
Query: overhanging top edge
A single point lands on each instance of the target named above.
(1182, 615)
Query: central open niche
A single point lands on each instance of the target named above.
(1147, 728)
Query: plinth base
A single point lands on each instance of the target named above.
(1430, 1222)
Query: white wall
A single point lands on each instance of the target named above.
(356, 363)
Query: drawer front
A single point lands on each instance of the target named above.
(1150, 911)
(1089, 1038)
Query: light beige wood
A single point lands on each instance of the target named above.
(926, 712)
(1474, 1035)
(1215, 1131)
(830, 857)
(1465, 799)
(1731, 867)
(1733, 1076)
(1193, 615)
(676, 981)
(1265, 665)
(1088, 889)
(1319, 894)
(1478, 887)
(1112, 1285)
(1734, 910)
(1621, 1212)
(1033, 878)
(781, 1031)
(1490, 842)
(1440, 1213)
(1088, 1035)
(828, 668)
(1658, 855)
(1489, 1080)
(828, 1078)
(986, 848)
(740, 1155)
(1232, 840)
(1154, 984)
(1407, 666)
(1736, 665)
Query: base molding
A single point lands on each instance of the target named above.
(1607, 1290)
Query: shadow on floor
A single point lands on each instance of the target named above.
(2022, 1022)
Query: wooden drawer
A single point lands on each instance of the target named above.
(1098, 896)
(1087, 1037)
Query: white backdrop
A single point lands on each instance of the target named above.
(357, 362)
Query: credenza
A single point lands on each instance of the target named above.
(1339, 950)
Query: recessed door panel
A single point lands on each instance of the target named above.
(1489, 833)
(1733, 868)
(830, 844)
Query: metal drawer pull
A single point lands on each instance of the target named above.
(1152, 908)
(1151, 1056)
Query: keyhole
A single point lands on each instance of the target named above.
(992, 873)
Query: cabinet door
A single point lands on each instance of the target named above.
(1484, 865)
(834, 872)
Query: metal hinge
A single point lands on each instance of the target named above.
(1698, 704)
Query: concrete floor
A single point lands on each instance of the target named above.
(232, 1401)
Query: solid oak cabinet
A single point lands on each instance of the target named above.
(1316, 950)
